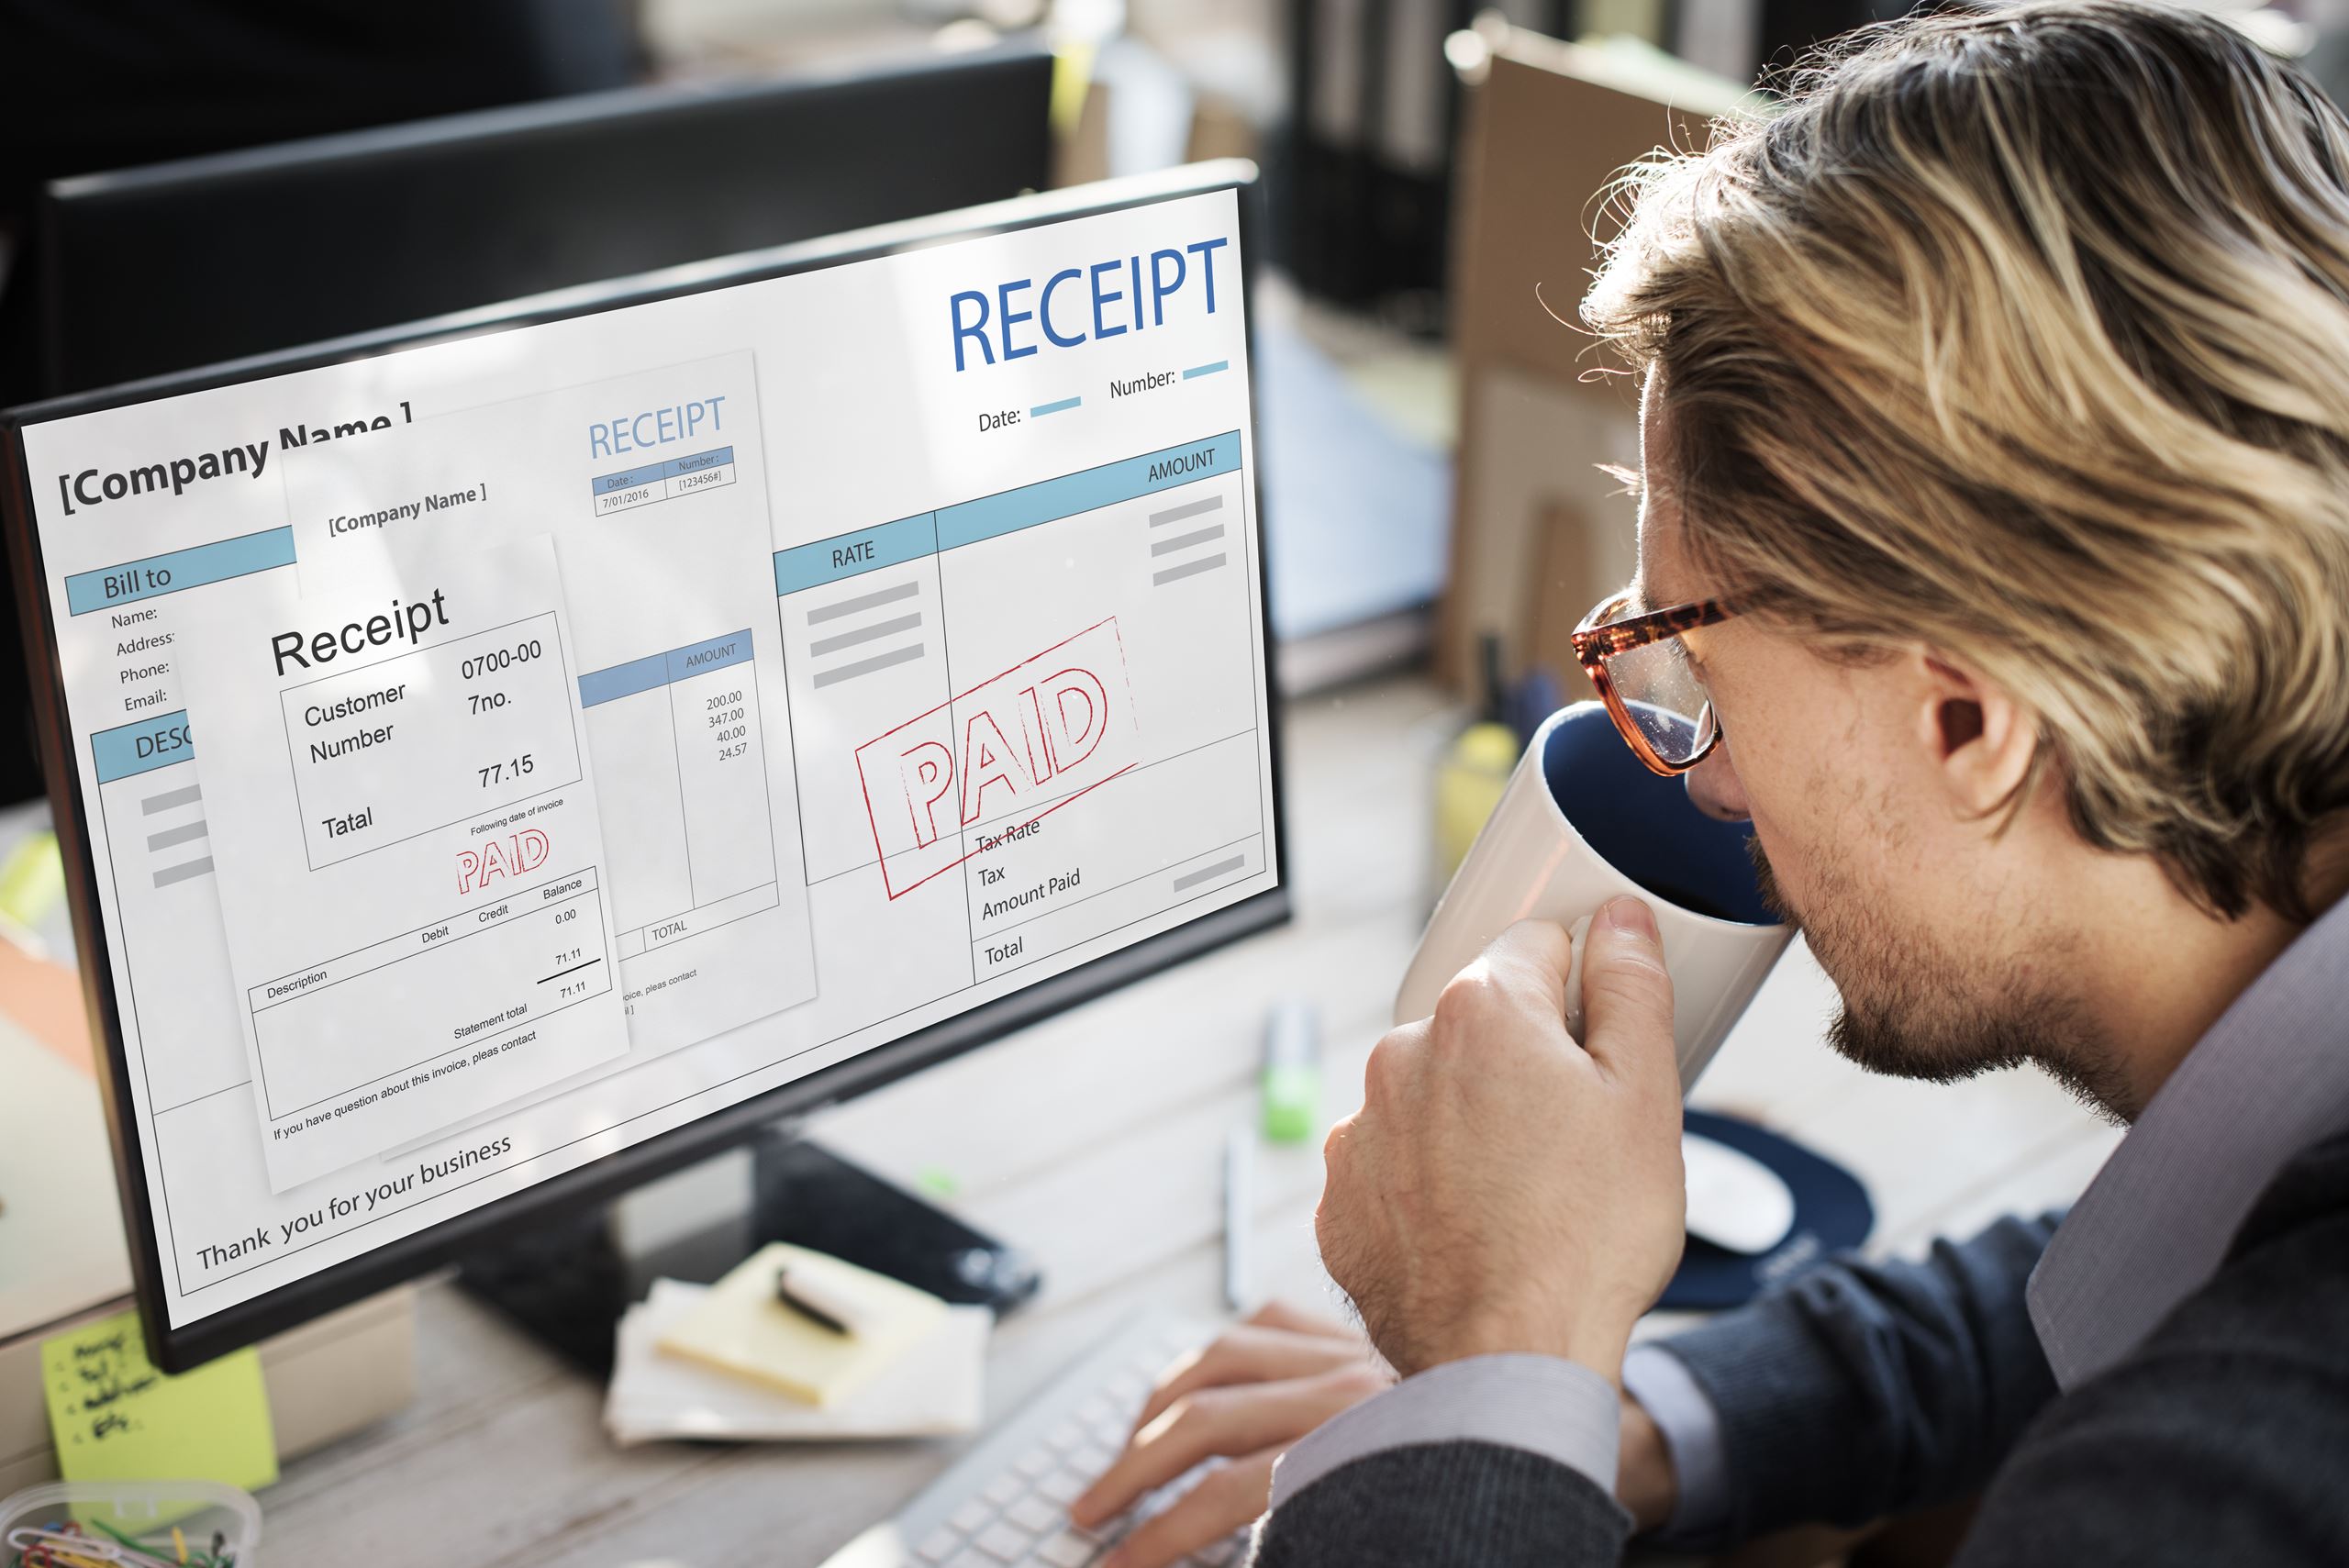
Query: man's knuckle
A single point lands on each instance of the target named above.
(1469, 1004)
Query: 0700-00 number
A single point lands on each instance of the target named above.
(497, 659)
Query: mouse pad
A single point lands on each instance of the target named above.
(1831, 1213)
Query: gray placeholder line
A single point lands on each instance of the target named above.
(823, 645)
(1188, 569)
(839, 607)
(1209, 873)
(187, 795)
(866, 666)
(170, 836)
(171, 874)
(1176, 514)
(1184, 542)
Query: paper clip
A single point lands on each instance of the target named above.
(39, 1547)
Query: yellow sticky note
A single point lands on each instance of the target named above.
(115, 1418)
(740, 1327)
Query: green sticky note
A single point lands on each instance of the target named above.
(115, 1418)
(32, 879)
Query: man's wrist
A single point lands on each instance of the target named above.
(1597, 1344)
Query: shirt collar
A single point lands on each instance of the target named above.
(2270, 1079)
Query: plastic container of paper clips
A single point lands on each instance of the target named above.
(130, 1524)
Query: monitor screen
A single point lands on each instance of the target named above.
(514, 762)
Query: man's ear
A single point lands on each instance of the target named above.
(1979, 738)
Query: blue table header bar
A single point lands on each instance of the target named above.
(667, 468)
(176, 570)
(681, 466)
(849, 555)
(657, 670)
(624, 680)
(651, 473)
(1050, 500)
(703, 657)
(143, 747)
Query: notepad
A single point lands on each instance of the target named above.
(740, 1327)
(115, 1418)
(935, 1386)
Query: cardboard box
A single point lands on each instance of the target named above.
(1539, 533)
(64, 1260)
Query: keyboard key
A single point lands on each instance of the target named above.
(1033, 1514)
(1091, 1460)
(1004, 1543)
(941, 1545)
(1064, 1437)
(970, 1517)
(1129, 1390)
(968, 1559)
(1004, 1488)
(1096, 1412)
(1063, 1486)
(1037, 1463)
(1068, 1549)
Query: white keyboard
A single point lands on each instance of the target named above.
(1005, 1503)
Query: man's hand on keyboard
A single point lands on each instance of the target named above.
(1245, 1398)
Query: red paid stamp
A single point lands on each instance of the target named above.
(1009, 750)
(523, 851)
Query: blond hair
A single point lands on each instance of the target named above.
(2024, 333)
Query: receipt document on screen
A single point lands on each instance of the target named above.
(409, 854)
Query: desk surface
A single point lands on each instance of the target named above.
(1097, 1148)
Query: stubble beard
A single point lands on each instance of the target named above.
(1910, 1010)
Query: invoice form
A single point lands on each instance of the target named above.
(409, 856)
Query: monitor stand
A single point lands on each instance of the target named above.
(567, 1280)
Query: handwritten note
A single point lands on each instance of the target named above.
(115, 1418)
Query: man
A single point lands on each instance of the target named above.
(1997, 405)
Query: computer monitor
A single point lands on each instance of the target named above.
(498, 765)
(205, 259)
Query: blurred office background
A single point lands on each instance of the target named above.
(1432, 434)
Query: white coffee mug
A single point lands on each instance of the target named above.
(1584, 820)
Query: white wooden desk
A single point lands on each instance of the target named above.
(1094, 1141)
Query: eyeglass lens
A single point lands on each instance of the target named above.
(1664, 698)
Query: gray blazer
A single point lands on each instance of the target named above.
(1865, 1391)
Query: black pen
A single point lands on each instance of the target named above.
(805, 1302)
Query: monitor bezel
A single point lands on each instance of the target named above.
(600, 1180)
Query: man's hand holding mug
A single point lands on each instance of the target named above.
(1503, 1188)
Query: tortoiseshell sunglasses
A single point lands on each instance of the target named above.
(1637, 662)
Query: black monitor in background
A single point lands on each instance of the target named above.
(147, 272)
(201, 261)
